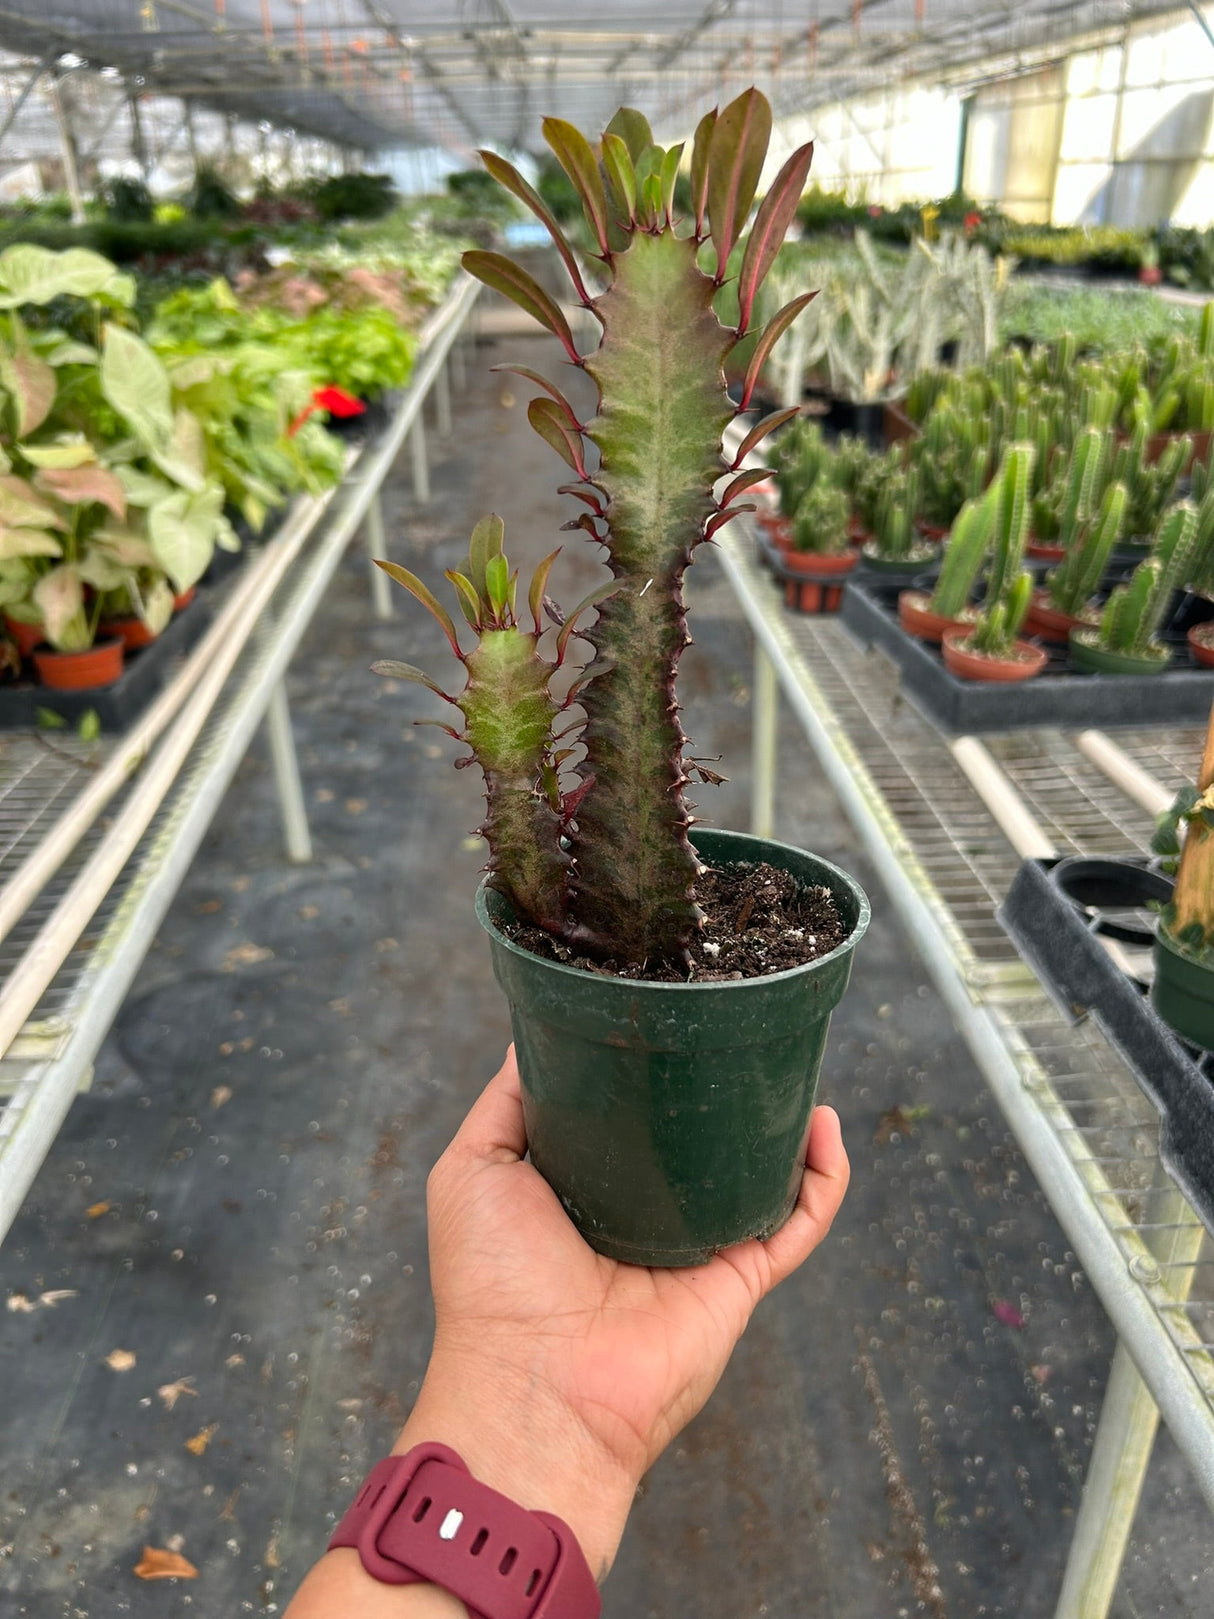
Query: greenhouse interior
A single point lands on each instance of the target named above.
(767, 450)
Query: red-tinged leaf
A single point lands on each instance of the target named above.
(576, 156)
(508, 176)
(549, 388)
(776, 213)
(575, 795)
(394, 670)
(469, 601)
(156, 1564)
(539, 584)
(720, 519)
(760, 431)
(424, 595)
(548, 420)
(583, 521)
(80, 486)
(735, 162)
(496, 271)
(743, 481)
(456, 736)
(772, 333)
(699, 167)
(1008, 1314)
(32, 384)
(621, 177)
(589, 493)
(487, 539)
(633, 129)
(608, 588)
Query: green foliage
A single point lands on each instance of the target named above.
(895, 538)
(559, 193)
(210, 197)
(1009, 590)
(964, 555)
(1150, 485)
(1075, 581)
(354, 196)
(801, 457)
(951, 457)
(128, 201)
(819, 524)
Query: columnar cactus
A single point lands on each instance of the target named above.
(646, 468)
(1009, 589)
(966, 551)
(1150, 485)
(1134, 612)
(1064, 513)
(1073, 583)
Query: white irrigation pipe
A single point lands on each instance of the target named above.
(1124, 772)
(19, 893)
(988, 779)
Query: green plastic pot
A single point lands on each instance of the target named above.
(1096, 660)
(1183, 992)
(671, 1118)
(911, 567)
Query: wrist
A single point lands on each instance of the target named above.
(527, 1444)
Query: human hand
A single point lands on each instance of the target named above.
(560, 1376)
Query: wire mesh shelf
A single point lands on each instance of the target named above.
(962, 865)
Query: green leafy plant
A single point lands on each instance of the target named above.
(1134, 612)
(354, 196)
(645, 467)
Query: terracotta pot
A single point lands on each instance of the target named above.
(24, 636)
(1158, 443)
(1049, 623)
(132, 632)
(1201, 644)
(810, 580)
(916, 616)
(180, 603)
(778, 528)
(896, 425)
(100, 665)
(857, 534)
(1150, 275)
(1041, 552)
(1026, 660)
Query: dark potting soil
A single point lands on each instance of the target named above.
(757, 920)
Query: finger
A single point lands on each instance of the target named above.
(823, 1184)
(494, 1127)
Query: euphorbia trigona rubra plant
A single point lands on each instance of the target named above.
(601, 858)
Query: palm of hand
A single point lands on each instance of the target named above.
(633, 1353)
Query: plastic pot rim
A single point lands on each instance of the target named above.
(632, 985)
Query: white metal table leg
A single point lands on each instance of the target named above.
(1125, 1436)
(421, 466)
(442, 401)
(763, 745)
(459, 365)
(295, 831)
(373, 528)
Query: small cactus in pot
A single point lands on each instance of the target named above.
(1183, 988)
(896, 547)
(1066, 602)
(992, 650)
(820, 554)
(1126, 639)
(643, 1066)
(947, 607)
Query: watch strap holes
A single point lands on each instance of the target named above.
(478, 1545)
(509, 1558)
(533, 1582)
(421, 1509)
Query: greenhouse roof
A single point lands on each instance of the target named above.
(376, 73)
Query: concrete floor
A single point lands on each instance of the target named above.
(238, 1203)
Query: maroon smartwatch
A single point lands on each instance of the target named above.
(423, 1518)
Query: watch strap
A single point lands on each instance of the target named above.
(422, 1517)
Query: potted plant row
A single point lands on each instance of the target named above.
(668, 1040)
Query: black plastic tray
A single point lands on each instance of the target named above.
(1059, 696)
(1057, 939)
(116, 706)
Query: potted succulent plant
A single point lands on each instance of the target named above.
(819, 557)
(991, 650)
(896, 548)
(931, 615)
(1183, 988)
(1066, 507)
(1088, 532)
(1150, 484)
(667, 1091)
(950, 457)
(1125, 641)
(800, 457)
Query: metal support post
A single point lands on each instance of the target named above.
(373, 528)
(1125, 1436)
(23, 95)
(421, 466)
(295, 831)
(459, 365)
(139, 146)
(442, 402)
(67, 147)
(765, 708)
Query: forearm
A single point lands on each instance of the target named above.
(520, 1442)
